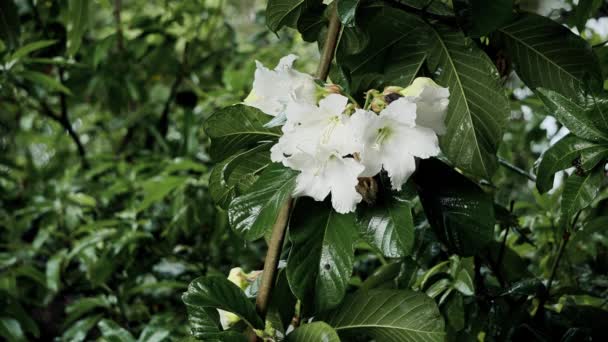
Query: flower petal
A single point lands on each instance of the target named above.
(342, 175)
(402, 110)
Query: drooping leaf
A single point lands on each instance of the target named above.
(321, 259)
(389, 226)
(254, 213)
(395, 54)
(585, 116)
(53, 270)
(316, 331)
(45, 81)
(29, 48)
(478, 107)
(237, 173)
(238, 127)
(388, 316)
(580, 191)
(78, 22)
(483, 17)
(569, 151)
(10, 27)
(547, 54)
(461, 214)
(346, 11)
(311, 22)
(207, 294)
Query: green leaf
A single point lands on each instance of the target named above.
(82, 306)
(580, 191)
(454, 311)
(11, 330)
(393, 57)
(254, 213)
(237, 128)
(45, 81)
(346, 11)
(316, 331)
(53, 270)
(458, 210)
(217, 292)
(113, 332)
(10, 27)
(79, 330)
(478, 107)
(569, 151)
(547, 54)
(430, 6)
(237, 173)
(29, 48)
(78, 21)
(586, 117)
(311, 23)
(157, 188)
(321, 259)
(389, 226)
(281, 13)
(388, 316)
(482, 16)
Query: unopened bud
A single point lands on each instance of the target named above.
(333, 88)
(378, 104)
(391, 90)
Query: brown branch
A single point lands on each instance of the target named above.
(278, 231)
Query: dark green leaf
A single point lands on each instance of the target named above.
(461, 214)
(430, 6)
(569, 151)
(585, 10)
(321, 259)
(53, 270)
(393, 57)
(482, 16)
(525, 287)
(580, 191)
(547, 54)
(236, 128)
(78, 21)
(237, 173)
(347, 10)
(11, 330)
(316, 331)
(254, 213)
(10, 27)
(478, 107)
(281, 13)
(217, 292)
(388, 226)
(454, 311)
(388, 316)
(586, 117)
(311, 23)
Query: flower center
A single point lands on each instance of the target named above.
(383, 134)
(332, 123)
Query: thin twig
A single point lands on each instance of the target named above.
(278, 231)
(516, 169)
(117, 18)
(65, 121)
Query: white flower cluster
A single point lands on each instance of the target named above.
(333, 143)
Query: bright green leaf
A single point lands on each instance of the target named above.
(45, 81)
(316, 331)
(579, 192)
(78, 21)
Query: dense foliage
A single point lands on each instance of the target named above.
(128, 170)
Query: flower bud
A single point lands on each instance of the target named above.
(391, 90)
(378, 104)
(331, 88)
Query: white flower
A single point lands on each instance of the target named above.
(431, 103)
(392, 139)
(274, 89)
(324, 172)
(309, 126)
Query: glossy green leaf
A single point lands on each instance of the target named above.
(482, 16)
(389, 226)
(388, 316)
(237, 173)
(580, 191)
(311, 23)
(78, 21)
(254, 213)
(316, 331)
(111, 331)
(569, 151)
(393, 57)
(461, 214)
(281, 13)
(586, 116)
(321, 259)
(347, 10)
(547, 54)
(237, 128)
(10, 27)
(45, 81)
(217, 292)
(478, 107)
